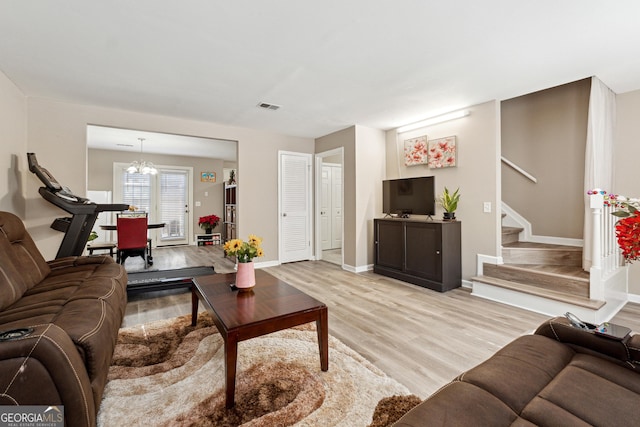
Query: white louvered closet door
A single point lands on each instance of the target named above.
(294, 206)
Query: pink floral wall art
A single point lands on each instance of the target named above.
(442, 152)
(415, 151)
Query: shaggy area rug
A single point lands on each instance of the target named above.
(169, 373)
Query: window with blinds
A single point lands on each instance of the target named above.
(136, 190)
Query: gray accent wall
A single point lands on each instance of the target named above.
(545, 134)
(13, 147)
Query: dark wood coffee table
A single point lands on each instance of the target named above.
(272, 305)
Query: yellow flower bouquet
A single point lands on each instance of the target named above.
(245, 251)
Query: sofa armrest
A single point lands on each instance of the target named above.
(585, 341)
(73, 261)
(634, 349)
(45, 368)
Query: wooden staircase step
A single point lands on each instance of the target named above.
(541, 253)
(537, 275)
(564, 279)
(510, 234)
(541, 292)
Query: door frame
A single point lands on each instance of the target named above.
(319, 157)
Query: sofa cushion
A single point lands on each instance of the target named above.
(589, 389)
(12, 284)
(517, 372)
(21, 264)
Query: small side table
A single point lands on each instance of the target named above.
(208, 239)
(101, 247)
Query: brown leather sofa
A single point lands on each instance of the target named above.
(559, 376)
(70, 310)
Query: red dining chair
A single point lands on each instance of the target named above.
(132, 237)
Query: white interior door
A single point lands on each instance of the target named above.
(334, 229)
(325, 208)
(294, 196)
(336, 207)
(166, 197)
(331, 207)
(173, 206)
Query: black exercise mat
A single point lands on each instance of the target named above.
(145, 281)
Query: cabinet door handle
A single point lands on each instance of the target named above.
(437, 252)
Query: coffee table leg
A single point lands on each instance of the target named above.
(194, 305)
(230, 361)
(322, 327)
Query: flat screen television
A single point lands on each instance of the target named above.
(409, 196)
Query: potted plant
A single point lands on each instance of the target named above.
(209, 222)
(449, 202)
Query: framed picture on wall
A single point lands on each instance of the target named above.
(442, 152)
(415, 151)
(207, 177)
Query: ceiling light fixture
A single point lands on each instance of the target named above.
(142, 166)
(434, 120)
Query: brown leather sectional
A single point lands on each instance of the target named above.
(70, 309)
(559, 376)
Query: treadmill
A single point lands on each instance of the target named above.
(83, 212)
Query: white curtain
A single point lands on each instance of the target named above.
(598, 169)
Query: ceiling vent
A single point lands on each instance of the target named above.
(267, 106)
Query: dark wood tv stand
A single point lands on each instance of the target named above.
(423, 252)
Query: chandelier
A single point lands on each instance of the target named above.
(142, 166)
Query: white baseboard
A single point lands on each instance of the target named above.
(266, 264)
(514, 219)
(360, 269)
(556, 240)
(634, 298)
(543, 305)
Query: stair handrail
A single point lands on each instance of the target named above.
(518, 169)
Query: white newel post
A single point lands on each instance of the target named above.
(596, 287)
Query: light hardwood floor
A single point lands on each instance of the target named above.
(419, 337)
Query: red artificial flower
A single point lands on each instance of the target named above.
(628, 235)
(209, 220)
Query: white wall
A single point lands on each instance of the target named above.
(13, 147)
(370, 172)
(57, 134)
(476, 174)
